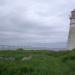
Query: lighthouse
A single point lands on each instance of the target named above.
(71, 37)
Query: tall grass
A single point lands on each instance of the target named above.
(43, 62)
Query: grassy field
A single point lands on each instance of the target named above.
(42, 62)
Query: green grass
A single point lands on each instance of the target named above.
(43, 62)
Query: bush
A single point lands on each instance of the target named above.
(20, 49)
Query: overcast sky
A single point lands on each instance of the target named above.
(36, 23)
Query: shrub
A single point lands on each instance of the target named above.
(20, 49)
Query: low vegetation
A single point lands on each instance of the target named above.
(41, 62)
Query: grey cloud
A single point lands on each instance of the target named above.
(35, 21)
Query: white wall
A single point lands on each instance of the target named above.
(71, 39)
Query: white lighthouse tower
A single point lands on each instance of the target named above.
(71, 38)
